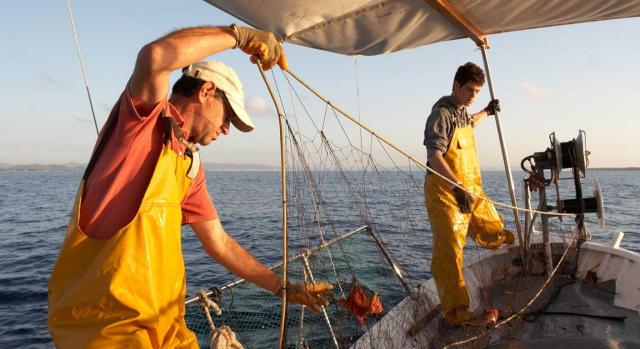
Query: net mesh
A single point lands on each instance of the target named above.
(254, 314)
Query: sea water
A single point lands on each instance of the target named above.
(35, 209)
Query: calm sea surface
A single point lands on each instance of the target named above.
(35, 209)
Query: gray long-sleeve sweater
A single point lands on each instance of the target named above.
(444, 118)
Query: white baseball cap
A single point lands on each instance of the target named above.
(225, 79)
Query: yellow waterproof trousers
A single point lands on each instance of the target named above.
(450, 226)
(127, 291)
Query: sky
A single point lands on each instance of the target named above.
(558, 79)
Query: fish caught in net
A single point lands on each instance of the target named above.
(361, 302)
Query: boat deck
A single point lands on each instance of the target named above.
(568, 313)
(591, 302)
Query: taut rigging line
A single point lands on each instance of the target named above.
(82, 67)
(419, 163)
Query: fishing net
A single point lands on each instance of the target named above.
(340, 178)
(254, 314)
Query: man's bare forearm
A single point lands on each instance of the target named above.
(185, 46)
(479, 116)
(156, 60)
(230, 254)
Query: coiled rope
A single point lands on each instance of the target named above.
(221, 337)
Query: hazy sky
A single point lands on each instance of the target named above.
(564, 78)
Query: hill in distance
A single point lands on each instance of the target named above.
(75, 166)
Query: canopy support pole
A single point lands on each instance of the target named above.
(505, 156)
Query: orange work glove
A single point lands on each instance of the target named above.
(261, 45)
(306, 294)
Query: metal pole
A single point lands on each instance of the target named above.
(527, 216)
(387, 255)
(282, 340)
(505, 156)
(528, 225)
(544, 220)
(311, 251)
(324, 310)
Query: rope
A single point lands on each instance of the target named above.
(419, 163)
(222, 337)
(357, 83)
(84, 73)
(207, 303)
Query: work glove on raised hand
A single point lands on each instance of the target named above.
(493, 107)
(261, 45)
(306, 294)
(464, 199)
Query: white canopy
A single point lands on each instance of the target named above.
(372, 27)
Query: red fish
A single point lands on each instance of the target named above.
(360, 305)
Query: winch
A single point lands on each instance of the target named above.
(544, 169)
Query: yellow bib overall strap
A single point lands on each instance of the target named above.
(127, 291)
(450, 226)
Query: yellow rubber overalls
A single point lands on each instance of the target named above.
(127, 291)
(450, 226)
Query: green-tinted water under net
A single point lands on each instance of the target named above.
(254, 314)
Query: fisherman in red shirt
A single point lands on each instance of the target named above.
(119, 280)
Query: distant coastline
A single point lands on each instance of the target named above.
(74, 166)
(614, 169)
(219, 167)
(35, 167)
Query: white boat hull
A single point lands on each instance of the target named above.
(596, 263)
